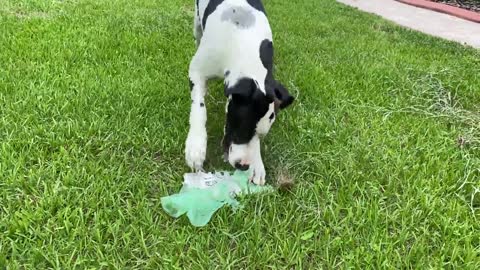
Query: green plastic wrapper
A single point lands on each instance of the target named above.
(202, 194)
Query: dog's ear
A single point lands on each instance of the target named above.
(280, 94)
(243, 88)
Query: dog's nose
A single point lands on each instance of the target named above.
(241, 167)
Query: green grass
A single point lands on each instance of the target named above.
(383, 142)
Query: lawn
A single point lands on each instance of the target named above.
(383, 142)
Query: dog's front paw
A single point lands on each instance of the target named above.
(196, 149)
(258, 173)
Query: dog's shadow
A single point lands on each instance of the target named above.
(215, 102)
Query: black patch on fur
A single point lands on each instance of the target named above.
(198, 9)
(227, 73)
(247, 106)
(271, 116)
(202, 104)
(242, 88)
(191, 85)
(266, 56)
(257, 4)
(212, 5)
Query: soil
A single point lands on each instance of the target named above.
(472, 5)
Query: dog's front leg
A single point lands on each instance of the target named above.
(196, 144)
(257, 169)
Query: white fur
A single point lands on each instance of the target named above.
(256, 166)
(249, 154)
(264, 124)
(239, 152)
(224, 46)
(196, 144)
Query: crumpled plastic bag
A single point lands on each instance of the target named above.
(202, 194)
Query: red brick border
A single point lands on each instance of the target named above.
(451, 10)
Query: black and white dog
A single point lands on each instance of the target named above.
(234, 42)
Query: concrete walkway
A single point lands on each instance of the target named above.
(427, 21)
